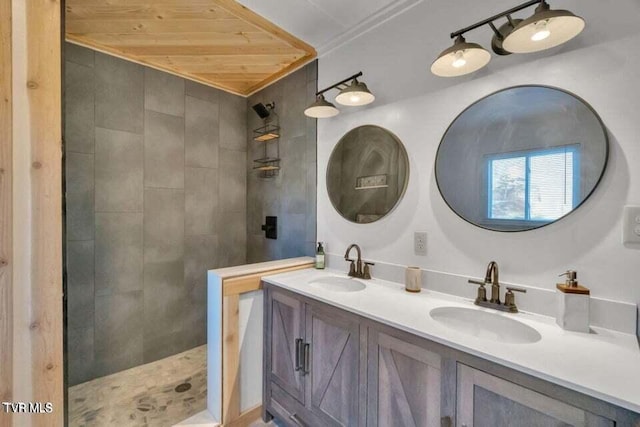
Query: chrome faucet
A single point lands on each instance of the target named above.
(492, 278)
(358, 268)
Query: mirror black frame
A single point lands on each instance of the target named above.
(597, 183)
(405, 155)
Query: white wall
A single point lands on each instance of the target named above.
(600, 66)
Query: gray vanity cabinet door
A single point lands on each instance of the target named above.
(404, 386)
(286, 324)
(333, 381)
(488, 401)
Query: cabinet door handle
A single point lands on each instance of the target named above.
(306, 361)
(298, 353)
(296, 420)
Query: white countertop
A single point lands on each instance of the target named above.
(604, 364)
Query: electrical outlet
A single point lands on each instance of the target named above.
(420, 243)
(631, 224)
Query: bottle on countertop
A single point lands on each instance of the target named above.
(573, 304)
(320, 257)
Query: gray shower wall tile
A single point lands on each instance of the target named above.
(200, 91)
(233, 122)
(311, 140)
(80, 354)
(292, 194)
(311, 203)
(202, 134)
(195, 320)
(312, 72)
(79, 171)
(233, 181)
(164, 308)
(293, 235)
(119, 94)
(163, 225)
(163, 150)
(201, 201)
(255, 215)
(293, 115)
(163, 92)
(201, 255)
(119, 173)
(165, 345)
(294, 176)
(79, 99)
(78, 54)
(119, 256)
(233, 239)
(295, 81)
(143, 230)
(80, 284)
(118, 332)
(255, 251)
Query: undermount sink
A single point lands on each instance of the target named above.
(485, 325)
(337, 284)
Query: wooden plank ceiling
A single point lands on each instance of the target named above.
(216, 42)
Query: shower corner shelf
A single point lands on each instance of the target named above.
(269, 134)
(266, 133)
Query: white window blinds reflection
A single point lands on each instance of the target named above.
(551, 186)
(538, 185)
(508, 188)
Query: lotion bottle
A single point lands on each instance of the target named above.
(573, 304)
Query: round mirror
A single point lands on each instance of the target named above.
(521, 158)
(367, 174)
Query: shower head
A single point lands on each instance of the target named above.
(262, 110)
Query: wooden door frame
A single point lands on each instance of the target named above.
(43, 80)
(6, 211)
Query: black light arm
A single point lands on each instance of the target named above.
(341, 82)
(494, 17)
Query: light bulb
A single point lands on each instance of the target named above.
(354, 98)
(541, 31)
(459, 60)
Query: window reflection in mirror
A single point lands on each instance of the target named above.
(521, 158)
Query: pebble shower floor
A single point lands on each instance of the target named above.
(156, 394)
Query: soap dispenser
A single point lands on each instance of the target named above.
(320, 257)
(573, 304)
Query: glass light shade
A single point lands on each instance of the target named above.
(321, 109)
(460, 59)
(543, 30)
(357, 93)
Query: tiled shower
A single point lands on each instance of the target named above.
(157, 170)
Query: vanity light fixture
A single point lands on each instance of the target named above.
(545, 29)
(461, 58)
(321, 109)
(354, 94)
(357, 93)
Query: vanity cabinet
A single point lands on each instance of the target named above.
(488, 401)
(404, 383)
(312, 359)
(287, 334)
(325, 366)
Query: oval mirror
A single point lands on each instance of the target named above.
(521, 158)
(367, 174)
